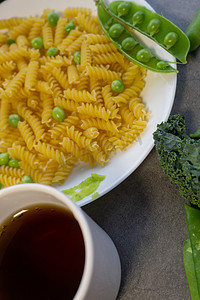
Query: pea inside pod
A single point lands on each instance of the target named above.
(128, 45)
(153, 26)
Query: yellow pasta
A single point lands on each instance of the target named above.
(97, 121)
(47, 34)
(31, 76)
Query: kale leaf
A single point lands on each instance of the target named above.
(179, 157)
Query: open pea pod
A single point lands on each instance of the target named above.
(161, 30)
(128, 45)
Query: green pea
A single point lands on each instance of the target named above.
(37, 43)
(0, 186)
(162, 65)
(143, 55)
(13, 120)
(128, 43)
(170, 39)
(27, 179)
(117, 86)
(153, 26)
(138, 17)
(10, 42)
(53, 18)
(123, 8)
(77, 57)
(52, 51)
(58, 114)
(69, 26)
(4, 158)
(14, 163)
(116, 30)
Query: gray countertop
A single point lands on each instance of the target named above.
(144, 215)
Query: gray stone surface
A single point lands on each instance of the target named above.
(145, 215)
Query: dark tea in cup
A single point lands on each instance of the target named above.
(42, 254)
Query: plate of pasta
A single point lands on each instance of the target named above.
(68, 122)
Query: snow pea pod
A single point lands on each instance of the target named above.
(161, 30)
(193, 225)
(128, 45)
(190, 271)
(193, 32)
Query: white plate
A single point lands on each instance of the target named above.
(158, 95)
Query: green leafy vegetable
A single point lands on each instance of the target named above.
(179, 157)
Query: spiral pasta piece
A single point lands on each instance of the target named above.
(62, 173)
(16, 83)
(13, 55)
(102, 48)
(72, 36)
(109, 102)
(27, 134)
(127, 115)
(108, 58)
(84, 83)
(7, 66)
(102, 73)
(7, 180)
(138, 108)
(71, 147)
(22, 153)
(67, 104)
(36, 29)
(11, 22)
(79, 96)
(10, 171)
(94, 111)
(91, 133)
(35, 174)
(31, 76)
(51, 152)
(55, 86)
(72, 12)
(86, 58)
(61, 77)
(48, 105)
(49, 173)
(60, 31)
(80, 139)
(100, 124)
(22, 41)
(47, 34)
(21, 29)
(86, 23)
(37, 126)
(75, 45)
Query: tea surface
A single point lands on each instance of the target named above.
(42, 255)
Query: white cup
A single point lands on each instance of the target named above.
(102, 271)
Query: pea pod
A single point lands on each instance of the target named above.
(159, 29)
(128, 45)
(193, 225)
(190, 271)
(192, 31)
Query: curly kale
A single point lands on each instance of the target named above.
(179, 157)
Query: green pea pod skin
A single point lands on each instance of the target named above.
(193, 32)
(104, 19)
(193, 225)
(179, 50)
(190, 271)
